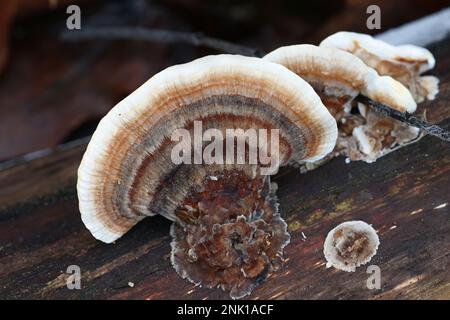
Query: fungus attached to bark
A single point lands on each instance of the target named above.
(405, 63)
(227, 231)
(339, 77)
(350, 245)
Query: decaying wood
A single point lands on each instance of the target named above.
(404, 195)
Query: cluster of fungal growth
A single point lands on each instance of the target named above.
(350, 245)
(235, 235)
(378, 135)
(227, 231)
(341, 68)
(405, 63)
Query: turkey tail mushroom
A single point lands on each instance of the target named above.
(339, 77)
(404, 63)
(350, 245)
(227, 231)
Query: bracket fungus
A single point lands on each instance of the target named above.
(350, 245)
(405, 63)
(339, 77)
(227, 231)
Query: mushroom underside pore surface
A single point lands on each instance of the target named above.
(233, 236)
(227, 231)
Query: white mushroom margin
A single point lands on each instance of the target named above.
(350, 245)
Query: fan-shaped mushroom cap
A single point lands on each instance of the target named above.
(350, 245)
(338, 77)
(227, 230)
(404, 63)
(337, 70)
(127, 174)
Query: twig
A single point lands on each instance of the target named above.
(406, 117)
(159, 35)
(198, 39)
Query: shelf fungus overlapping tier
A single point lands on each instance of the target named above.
(405, 63)
(339, 77)
(227, 231)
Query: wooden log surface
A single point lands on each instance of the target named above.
(404, 195)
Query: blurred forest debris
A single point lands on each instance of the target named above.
(11, 9)
(53, 91)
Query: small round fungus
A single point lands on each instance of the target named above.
(350, 245)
